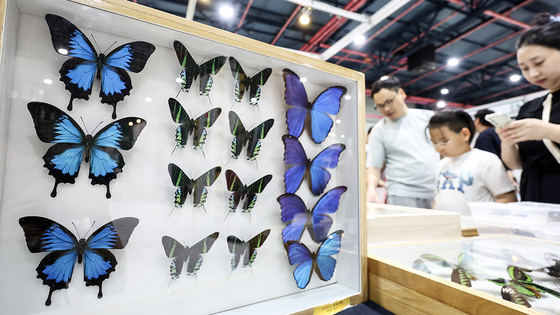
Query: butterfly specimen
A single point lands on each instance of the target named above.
(196, 127)
(191, 70)
(418, 264)
(187, 185)
(248, 249)
(315, 170)
(183, 254)
(252, 84)
(241, 191)
(243, 137)
(56, 268)
(71, 144)
(320, 261)
(85, 65)
(522, 283)
(317, 221)
(314, 115)
(464, 272)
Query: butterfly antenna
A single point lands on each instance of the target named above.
(77, 232)
(83, 123)
(110, 47)
(170, 280)
(204, 208)
(228, 161)
(171, 211)
(226, 217)
(202, 150)
(93, 37)
(257, 163)
(99, 124)
(179, 92)
(232, 103)
(175, 148)
(249, 217)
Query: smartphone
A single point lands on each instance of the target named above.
(498, 119)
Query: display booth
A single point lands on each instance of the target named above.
(171, 237)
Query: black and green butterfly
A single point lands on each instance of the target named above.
(183, 254)
(243, 137)
(196, 127)
(522, 283)
(244, 82)
(191, 70)
(463, 272)
(248, 249)
(187, 185)
(241, 191)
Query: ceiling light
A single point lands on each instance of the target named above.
(383, 78)
(63, 51)
(453, 62)
(305, 16)
(360, 39)
(148, 99)
(302, 80)
(347, 97)
(47, 81)
(444, 91)
(441, 104)
(226, 11)
(515, 78)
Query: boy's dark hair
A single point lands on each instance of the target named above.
(386, 82)
(546, 32)
(455, 120)
(481, 114)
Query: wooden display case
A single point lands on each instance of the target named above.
(29, 71)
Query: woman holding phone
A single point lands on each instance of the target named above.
(532, 142)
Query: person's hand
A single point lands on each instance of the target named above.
(372, 195)
(523, 130)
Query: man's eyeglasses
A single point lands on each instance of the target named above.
(388, 102)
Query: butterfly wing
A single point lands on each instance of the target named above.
(115, 81)
(299, 254)
(241, 136)
(295, 95)
(509, 293)
(241, 79)
(180, 116)
(237, 188)
(236, 247)
(106, 160)
(207, 70)
(174, 249)
(204, 121)
(182, 181)
(324, 263)
(78, 72)
(52, 125)
(190, 67)
(321, 222)
(328, 102)
(257, 81)
(254, 243)
(328, 158)
(252, 190)
(294, 154)
(293, 210)
(196, 251)
(203, 181)
(45, 235)
(99, 262)
(255, 136)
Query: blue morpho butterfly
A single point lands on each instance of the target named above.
(320, 261)
(240, 191)
(187, 186)
(243, 137)
(196, 127)
(315, 170)
(79, 72)
(191, 70)
(71, 144)
(243, 82)
(248, 249)
(316, 221)
(328, 102)
(192, 256)
(56, 268)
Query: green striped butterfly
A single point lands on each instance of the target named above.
(192, 256)
(241, 191)
(195, 127)
(191, 69)
(465, 271)
(244, 82)
(248, 249)
(187, 186)
(243, 137)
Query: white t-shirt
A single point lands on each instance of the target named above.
(405, 147)
(473, 176)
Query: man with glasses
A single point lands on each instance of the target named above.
(400, 142)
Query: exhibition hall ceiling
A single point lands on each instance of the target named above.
(474, 40)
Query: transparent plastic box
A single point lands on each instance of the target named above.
(531, 219)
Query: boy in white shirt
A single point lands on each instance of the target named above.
(465, 174)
